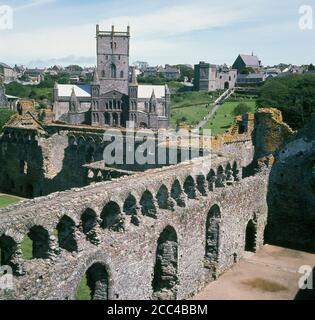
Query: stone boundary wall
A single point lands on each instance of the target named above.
(130, 216)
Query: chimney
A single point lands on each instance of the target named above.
(113, 29)
(97, 28)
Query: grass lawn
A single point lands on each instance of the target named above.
(191, 107)
(190, 115)
(192, 98)
(225, 117)
(84, 292)
(6, 200)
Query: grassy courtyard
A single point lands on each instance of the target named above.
(6, 200)
(224, 117)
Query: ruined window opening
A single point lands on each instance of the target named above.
(163, 200)
(201, 185)
(177, 194)
(250, 237)
(147, 205)
(66, 234)
(94, 284)
(165, 277)
(220, 181)
(36, 244)
(7, 250)
(211, 178)
(111, 217)
(89, 223)
(189, 188)
(212, 236)
(130, 205)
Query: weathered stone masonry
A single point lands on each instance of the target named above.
(128, 247)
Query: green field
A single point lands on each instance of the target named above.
(191, 107)
(224, 117)
(6, 200)
(190, 115)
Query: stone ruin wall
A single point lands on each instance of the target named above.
(178, 198)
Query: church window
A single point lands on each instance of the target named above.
(113, 71)
(121, 74)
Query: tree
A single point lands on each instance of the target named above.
(294, 95)
(311, 67)
(32, 94)
(16, 89)
(248, 70)
(242, 108)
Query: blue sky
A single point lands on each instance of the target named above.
(63, 31)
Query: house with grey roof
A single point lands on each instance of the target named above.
(7, 74)
(244, 61)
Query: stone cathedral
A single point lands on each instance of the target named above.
(114, 98)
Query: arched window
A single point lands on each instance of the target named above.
(103, 74)
(89, 223)
(166, 266)
(111, 217)
(36, 244)
(7, 250)
(163, 200)
(130, 205)
(94, 284)
(121, 74)
(147, 205)
(66, 234)
(177, 194)
(212, 236)
(113, 71)
(189, 188)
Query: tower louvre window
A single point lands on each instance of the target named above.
(113, 71)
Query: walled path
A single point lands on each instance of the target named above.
(271, 274)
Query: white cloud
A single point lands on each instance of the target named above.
(178, 19)
(33, 3)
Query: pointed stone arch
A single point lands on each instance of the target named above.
(201, 185)
(163, 198)
(39, 241)
(211, 179)
(89, 225)
(96, 282)
(147, 204)
(190, 188)
(165, 277)
(221, 178)
(66, 234)
(177, 194)
(111, 217)
(212, 237)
